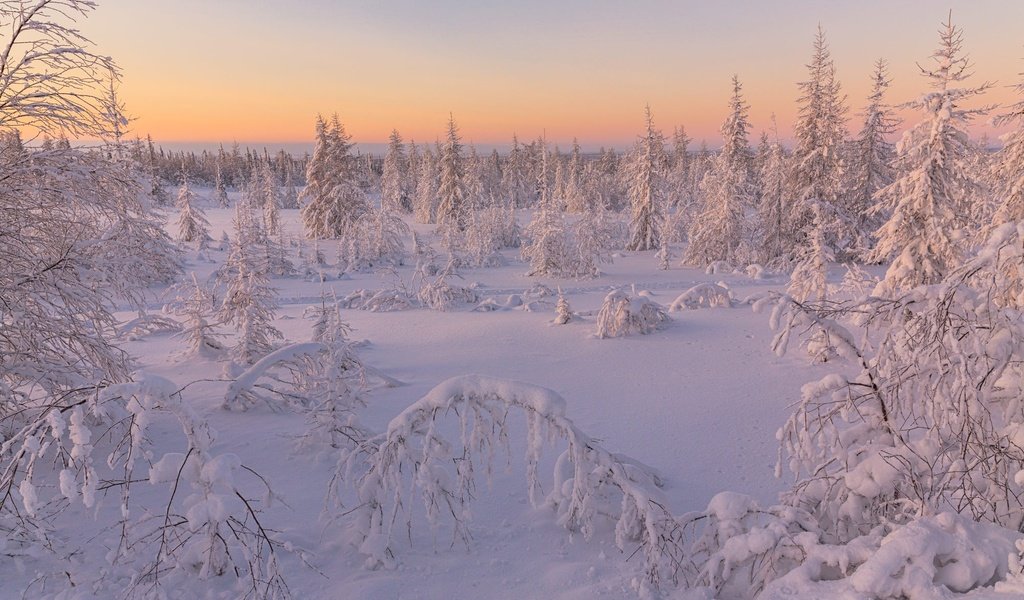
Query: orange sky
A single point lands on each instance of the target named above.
(259, 71)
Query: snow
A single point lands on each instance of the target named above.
(679, 415)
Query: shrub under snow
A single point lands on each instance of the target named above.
(621, 315)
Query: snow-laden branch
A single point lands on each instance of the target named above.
(414, 456)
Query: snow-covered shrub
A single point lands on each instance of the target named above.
(755, 271)
(736, 546)
(719, 267)
(621, 315)
(490, 230)
(145, 325)
(703, 295)
(593, 237)
(929, 557)
(414, 457)
(439, 294)
(930, 419)
(383, 300)
(74, 457)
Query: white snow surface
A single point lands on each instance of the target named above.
(699, 401)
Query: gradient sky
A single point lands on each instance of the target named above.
(259, 71)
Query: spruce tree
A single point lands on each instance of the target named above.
(192, 223)
(720, 230)
(871, 160)
(816, 176)
(929, 200)
(394, 189)
(646, 188)
(334, 200)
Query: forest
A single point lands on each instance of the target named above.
(540, 372)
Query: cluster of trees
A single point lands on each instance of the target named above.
(831, 197)
(929, 423)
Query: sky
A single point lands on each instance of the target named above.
(259, 71)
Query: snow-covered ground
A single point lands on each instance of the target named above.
(699, 401)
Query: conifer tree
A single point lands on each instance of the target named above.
(679, 184)
(646, 188)
(267, 196)
(816, 176)
(197, 331)
(546, 233)
(220, 192)
(192, 223)
(871, 160)
(929, 200)
(1009, 166)
(452, 205)
(515, 176)
(772, 204)
(334, 201)
(720, 230)
(425, 200)
(249, 302)
(394, 189)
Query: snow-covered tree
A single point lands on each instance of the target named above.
(394, 187)
(646, 188)
(333, 199)
(871, 158)
(593, 239)
(1009, 166)
(515, 177)
(622, 314)
(563, 312)
(924, 423)
(249, 302)
(719, 231)
(220, 192)
(425, 199)
(197, 332)
(453, 205)
(192, 223)
(816, 175)
(267, 195)
(929, 200)
(545, 248)
(679, 182)
(771, 212)
(289, 192)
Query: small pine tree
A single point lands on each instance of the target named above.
(197, 332)
(563, 312)
(220, 192)
(646, 188)
(249, 302)
(394, 189)
(192, 223)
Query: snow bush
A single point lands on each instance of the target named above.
(439, 294)
(930, 420)
(622, 315)
(76, 455)
(414, 456)
(703, 295)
